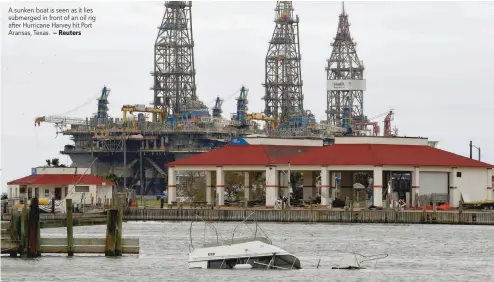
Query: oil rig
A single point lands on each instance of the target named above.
(177, 124)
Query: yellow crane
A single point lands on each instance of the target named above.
(158, 114)
(263, 117)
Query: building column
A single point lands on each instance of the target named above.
(172, 186)
(209, 188)
(220, 186)
(272, 182)
(247, 186)
(489, 184)
(415, 186)
(283, 183)
(309, 185)
(378, 186)
(334, 185)
(325, 181)
(454, 194)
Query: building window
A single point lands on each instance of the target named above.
(22, 190)
(47, 193)
(58, 193)
(458, 174)
(82, 189)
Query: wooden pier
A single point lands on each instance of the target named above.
(21, 234)
(329, 216)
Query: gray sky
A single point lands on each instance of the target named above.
(432, 62)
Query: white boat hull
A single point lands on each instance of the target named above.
(255, 253)
(198, 264)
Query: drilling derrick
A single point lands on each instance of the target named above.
(283, 82)
(102, 113)
(217, 109)
(346, 84)
(174, 72)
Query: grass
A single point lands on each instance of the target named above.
(150, 203)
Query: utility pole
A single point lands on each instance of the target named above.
(473, 146)
(471, 149)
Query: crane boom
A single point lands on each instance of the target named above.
(60, 120)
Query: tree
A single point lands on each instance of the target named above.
(112, 177)
(362, 178)
(258, 186)
(194, 186)
(233, 181)
(4, 196)
(55, 162)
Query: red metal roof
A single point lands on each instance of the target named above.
(381, 154)
(60, 179)
(255, 155)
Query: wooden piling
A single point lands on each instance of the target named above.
(119, 249)
(33, 229)
(460, 212)
(70, 230)
(15, 232)
(111, 232)
(423, 217)
(24, 223)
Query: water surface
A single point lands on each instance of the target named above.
(416, 253)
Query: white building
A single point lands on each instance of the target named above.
(62, 183)
(429, 170)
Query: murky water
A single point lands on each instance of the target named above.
(416, 253)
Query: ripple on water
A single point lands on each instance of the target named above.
(416, 252)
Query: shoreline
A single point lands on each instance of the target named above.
(315, 216)
(453, 217)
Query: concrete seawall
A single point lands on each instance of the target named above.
(388, 216)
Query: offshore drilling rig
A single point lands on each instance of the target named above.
(284, 101)
(346, 83)
(136, 149)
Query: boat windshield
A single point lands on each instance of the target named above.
(237, 241)
(261, 262)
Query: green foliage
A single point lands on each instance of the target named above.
(362, 178)
(4, 196)
(296, 178)
(233, 180)
(194, 186)
(55, 162)
(111, 177)
(258, 185)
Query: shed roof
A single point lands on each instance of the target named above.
(381, 154)
(60, 179)
(241, 155)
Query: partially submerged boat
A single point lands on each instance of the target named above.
(353, 260)
(255, 252)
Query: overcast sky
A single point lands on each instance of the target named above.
(431, 62)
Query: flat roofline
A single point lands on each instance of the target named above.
(285, 138)
(388, 137)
